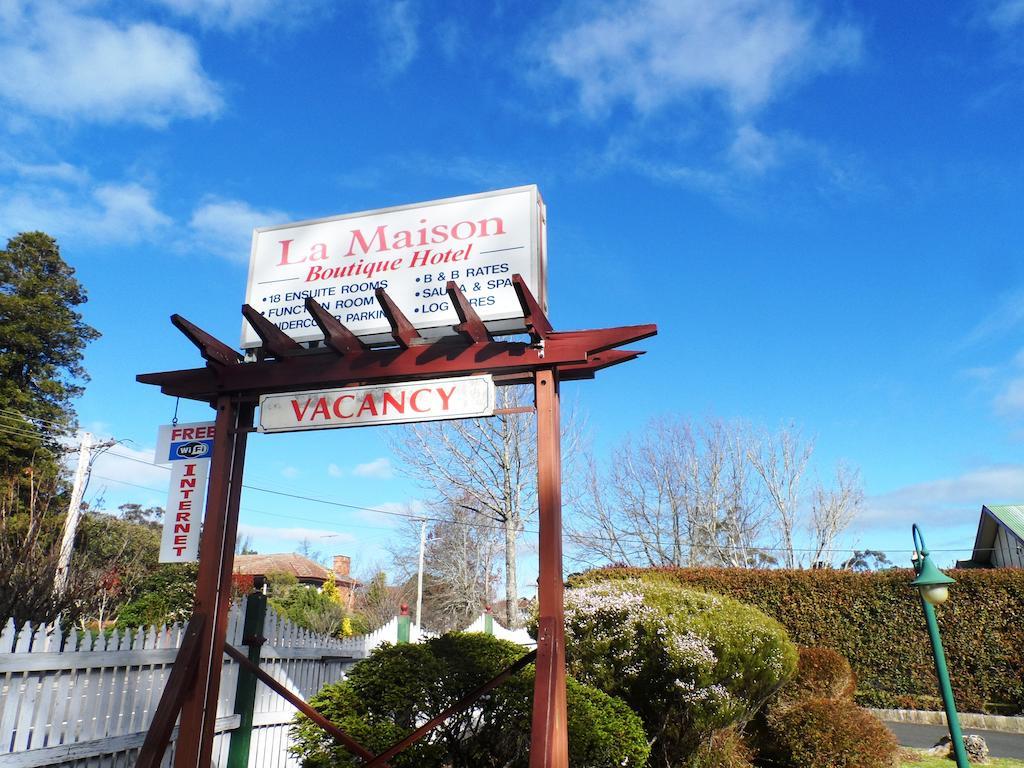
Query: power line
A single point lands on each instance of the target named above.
(54, 426)
(591, 537)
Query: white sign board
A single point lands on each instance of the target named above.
(464, 397)
(411, 251)
(187, 448)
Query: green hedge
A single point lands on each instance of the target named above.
(875, 621)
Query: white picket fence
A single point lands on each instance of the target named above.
(87, 704)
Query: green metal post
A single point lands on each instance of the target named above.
(952, 719)
(245, 692)
(404, 625)
(488, 622)
(928, 579)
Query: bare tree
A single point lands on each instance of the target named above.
(832, 511)
(678, 495)
(781, 460)
(719, 493)
(486, 467)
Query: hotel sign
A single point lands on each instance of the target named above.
(412, 251)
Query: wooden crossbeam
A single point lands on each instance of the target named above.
(537, 323)
(470, 326)
(441, 358)
(275, 341)
(402, 331)
(339, 735)
(336, 335)
(177, 685)
(213, 350)
(464, 703)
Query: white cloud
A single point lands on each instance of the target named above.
(1005, 316)
(1011, 400)
(232, 14)
(657, 52)
(1006, 15)
(752, 151)
(109, 213)
(224, 227)
(58, 61)
(59, 171)
(399, 36)
(290, 472)
(333, 470)
(954, 500)
(379, 469)
(291, 534)
(392, 513)
(123, 469)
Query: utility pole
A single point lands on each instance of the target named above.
(419, 578)
(67, 542)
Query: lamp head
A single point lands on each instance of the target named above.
(932, 582)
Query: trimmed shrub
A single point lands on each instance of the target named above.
(727, 748)
(603, 730)
(821, 673)
(830, 733)
(687, 662)
(388, 695)
(875, 621)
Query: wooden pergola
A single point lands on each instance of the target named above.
(233, 387)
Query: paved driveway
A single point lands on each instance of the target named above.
(925, 736)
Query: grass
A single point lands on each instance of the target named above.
(943, 762)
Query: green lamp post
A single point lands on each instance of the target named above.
(933, 586)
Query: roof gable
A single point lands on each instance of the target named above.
(1010, 515)
(994, 517)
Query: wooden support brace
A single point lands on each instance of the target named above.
(336, 336)
(343, 738)
(402, 331)
(213, 350)
(275, 341)
(175, 689)
(470, 326)
(464, 703)
(537, 323)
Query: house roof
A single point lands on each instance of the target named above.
(993, 517)
(1010, 515)
(289, 562)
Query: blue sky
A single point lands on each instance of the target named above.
(820, 205)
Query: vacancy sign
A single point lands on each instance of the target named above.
(463, 397)
(412, 251)
(187, 448)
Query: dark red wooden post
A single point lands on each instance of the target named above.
(549, 737)
(213, 589)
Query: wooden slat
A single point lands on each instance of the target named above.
(402, 331)
(275, 341)
(213, 350)
(470, 326)
(336, 335)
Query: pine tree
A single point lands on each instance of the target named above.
(42, 336)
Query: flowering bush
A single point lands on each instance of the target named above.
(687, 662)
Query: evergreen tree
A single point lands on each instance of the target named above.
(42, 336)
